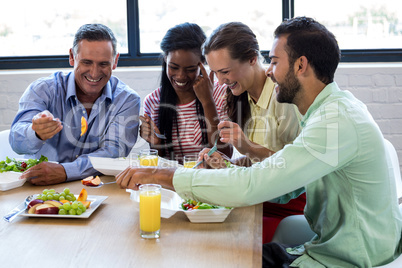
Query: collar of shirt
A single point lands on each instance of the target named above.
(265, 96)
(71, 90)
(258, 111)
(328, 90)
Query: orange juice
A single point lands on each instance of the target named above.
(190, 160)
(150, 211)
(190, 164)
(149, 160)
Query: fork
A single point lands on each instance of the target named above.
(65, 124)
(213, 150)
(18, 210)
(101, 184)
(160, 136)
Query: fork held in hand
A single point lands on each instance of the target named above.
(160, 136)
(65, 124)
(213, 150)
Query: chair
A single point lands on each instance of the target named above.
(397, 263)
(395, 164)
(6, 149)
(294, 230)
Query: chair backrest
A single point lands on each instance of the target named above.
(395, 166)
(5, 148)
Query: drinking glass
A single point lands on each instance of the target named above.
(190, 160)
(150, 210)
(149, 158)
(134, 160)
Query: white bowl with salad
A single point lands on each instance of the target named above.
(11, 170)
(197, 212)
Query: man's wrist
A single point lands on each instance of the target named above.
(164, 177)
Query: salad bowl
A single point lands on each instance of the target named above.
(10, 180)
(171, 204)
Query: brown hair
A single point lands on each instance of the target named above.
(242, 45)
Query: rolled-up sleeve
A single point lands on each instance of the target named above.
(22, 137)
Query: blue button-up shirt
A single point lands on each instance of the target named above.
(112, 123)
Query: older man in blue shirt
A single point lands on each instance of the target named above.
(51, 109)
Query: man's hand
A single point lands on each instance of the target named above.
(45, 173)
(132, 178)
(44, 125)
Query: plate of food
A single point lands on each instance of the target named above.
(113, 166)
(11, 170)
(46, 205)
(196, 212)
(95, 200)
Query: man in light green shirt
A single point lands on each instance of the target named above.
(272, 124)
(339, 157)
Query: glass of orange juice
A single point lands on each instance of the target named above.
(134, 159)
(190, 160)
(150, 210)
(149, 158)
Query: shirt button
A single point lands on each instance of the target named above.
(303, 124)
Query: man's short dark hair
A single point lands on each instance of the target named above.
(94, 32)
(307, 37)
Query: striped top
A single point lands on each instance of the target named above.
(189, 138)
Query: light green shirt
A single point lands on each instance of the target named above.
(272, 124)
(340, 158)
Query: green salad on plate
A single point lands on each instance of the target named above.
(11, 164)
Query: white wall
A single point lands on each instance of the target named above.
(379, 86)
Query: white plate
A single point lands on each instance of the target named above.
(113, 166)
(10, 180)
(96, 200)
(170, 204)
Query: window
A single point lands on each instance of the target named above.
(39, 34)
(29, 29)
(364, 24)
(157, 16)
(366, 30)
(34, 35)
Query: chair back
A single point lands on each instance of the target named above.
(395, 166)
(5, 148)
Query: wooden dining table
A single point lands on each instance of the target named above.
(110, 236)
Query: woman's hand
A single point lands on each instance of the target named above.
(203, 86)
(232, 133)
(147, 129)
(215, 160)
